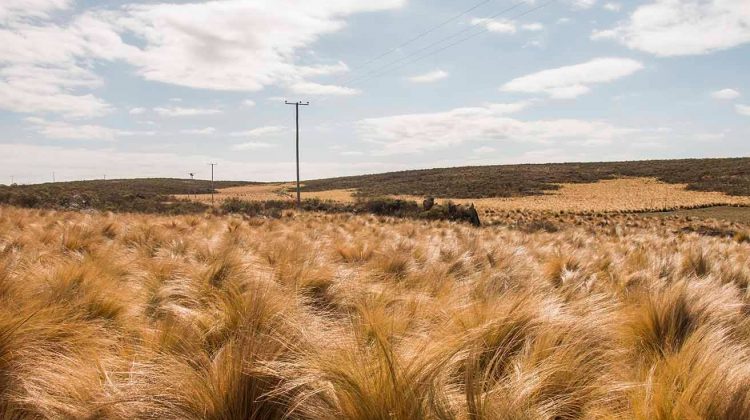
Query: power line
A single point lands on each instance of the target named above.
(386, 69)
(433, 44)
(422, 35)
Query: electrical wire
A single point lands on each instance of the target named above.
(387, 69)
(433, 44)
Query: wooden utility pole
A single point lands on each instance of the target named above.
(212, 182)
(192, 185)
(296, 106)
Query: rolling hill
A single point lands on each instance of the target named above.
(730, 176)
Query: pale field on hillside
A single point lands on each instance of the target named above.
(266, 192)
(351, 317)
(629, 194)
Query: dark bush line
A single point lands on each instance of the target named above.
(377, 206)
(131, 196)
(113, 201)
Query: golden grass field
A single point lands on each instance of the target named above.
(339, 316)
(617, 195)
(265, 192)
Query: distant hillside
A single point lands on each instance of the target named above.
(731, 176)
(133, 195)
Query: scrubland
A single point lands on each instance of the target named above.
(730, 176)
(339, 316)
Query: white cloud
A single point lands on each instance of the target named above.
(270, 130)
(582, 4)
(46, 57)
(573, 81)
(185, 112)
(484, 150)
(684, 27)
(453, 129)
(47, 67)
(67, 131)
(137, 111)
(506, 26)
(413, 133)
(503, 26)
(533, 27)
(248, 102)
(743, 109)
(352, 153)
(433, 76)
(35, 89)
(311, 88)
(612, 7)
(233, 44)
(15, 9)
(322, 69)
(253, 145)
(725, 94)
(199, 131)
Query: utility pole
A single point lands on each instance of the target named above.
(296, 106)
(192, 178)
(212, 182)
(53, 177)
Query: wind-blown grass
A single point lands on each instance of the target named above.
(320, 316)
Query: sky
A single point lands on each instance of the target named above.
(142, 88)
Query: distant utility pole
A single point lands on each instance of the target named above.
(192, 178)
(212, 182)
(296, 106)
(53, 177)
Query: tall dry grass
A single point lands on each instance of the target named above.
(323, 317)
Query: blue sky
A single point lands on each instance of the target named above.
(146, 88)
